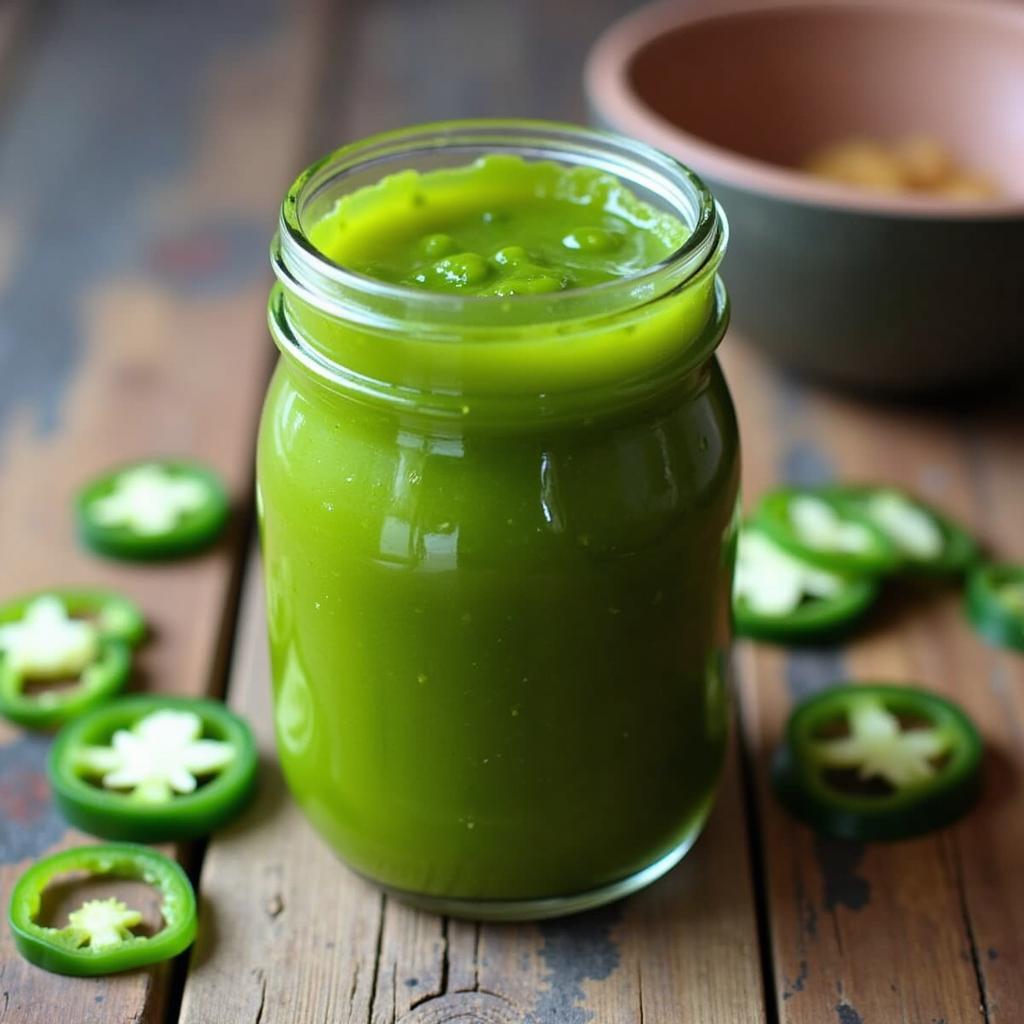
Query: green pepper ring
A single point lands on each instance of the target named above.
(99, 682)
(960, 550)
(53, 949)
(815, 620)
(818, 619)
(117, 618)
(804, 791)
(989, 614)
(771, 516)
(114, 815)
(196, 530)
(120, 624)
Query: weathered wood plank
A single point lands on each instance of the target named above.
(134, 221)
(499, 60)
(16, 40)
(977, 470)
(990, 845)
(297, 936)
(903, 931)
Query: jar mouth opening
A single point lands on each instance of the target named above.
(341, 291)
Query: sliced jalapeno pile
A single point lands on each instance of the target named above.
(831, 534)
(779, 596)
(153, 768)
(995, 604)
(925, 540)
(98, 938)
(878, 762)
(152, 510)
(83, 635)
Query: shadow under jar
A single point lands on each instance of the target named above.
(498, 534)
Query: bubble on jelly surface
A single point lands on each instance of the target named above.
(438, 245)
(511, 256)
(529, 284)
(592, 240)
(464, 268)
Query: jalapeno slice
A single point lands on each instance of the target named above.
(98, 937)
(995, 604)
(825, 532)
(779, 596)
(870, 762)
(152, 510)
(153, 769)
(64, 634)
(926, 541)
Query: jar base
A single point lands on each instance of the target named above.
(557, 906)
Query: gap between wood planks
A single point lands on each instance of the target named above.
(979, 972)
(755, 849)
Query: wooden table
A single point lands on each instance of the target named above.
(144, 149)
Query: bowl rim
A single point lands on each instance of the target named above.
(612, 97)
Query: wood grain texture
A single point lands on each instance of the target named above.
(405, 62)
(929, 929)
(133, 224)
(143, 160)
(289, 934)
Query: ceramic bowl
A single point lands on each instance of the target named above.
(870, 290)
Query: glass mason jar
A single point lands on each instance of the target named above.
(498, 536)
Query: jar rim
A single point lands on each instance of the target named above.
(340, 291)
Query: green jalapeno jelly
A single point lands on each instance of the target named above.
(497, 483)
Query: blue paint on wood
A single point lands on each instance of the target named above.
(797, 984)
(392, 76)
(575, 950)
(846, 1014)
(838, 861)
(108, 112)
(29, 823)
(811, 670)
(807, 913)
(211, 258)
(805, 465)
